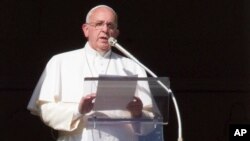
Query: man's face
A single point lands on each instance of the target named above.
(102, 25)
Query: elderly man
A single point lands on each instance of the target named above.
(60, 98)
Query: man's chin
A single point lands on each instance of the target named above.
(104, 48)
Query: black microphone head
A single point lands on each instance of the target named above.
(112, 41)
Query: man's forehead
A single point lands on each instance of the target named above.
(102, 13)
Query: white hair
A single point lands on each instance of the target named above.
(100, 6)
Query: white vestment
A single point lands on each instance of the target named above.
(60, 88)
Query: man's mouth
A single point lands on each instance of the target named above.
(104, 38)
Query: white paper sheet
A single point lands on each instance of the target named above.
(114, 92)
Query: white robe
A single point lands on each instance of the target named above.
(60, 88)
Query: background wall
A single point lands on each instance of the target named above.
(203, 46)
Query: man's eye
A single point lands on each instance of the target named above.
(99, 24)
(111, 26)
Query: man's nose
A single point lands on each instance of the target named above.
(105, 28)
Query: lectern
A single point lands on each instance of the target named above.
(111, 116)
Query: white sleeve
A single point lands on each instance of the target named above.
(60, 116)
(47, 87)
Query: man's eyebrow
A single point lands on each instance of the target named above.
(98, 20)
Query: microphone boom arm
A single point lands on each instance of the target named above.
(113, 42)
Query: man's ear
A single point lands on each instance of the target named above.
(85, 30)
(117, 32)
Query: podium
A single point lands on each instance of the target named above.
(110, 116)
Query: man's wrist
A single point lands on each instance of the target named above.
(77, 114)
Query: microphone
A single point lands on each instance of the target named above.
(113, 42)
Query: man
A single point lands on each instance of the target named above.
(60, 98)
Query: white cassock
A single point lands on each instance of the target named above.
(60, 88)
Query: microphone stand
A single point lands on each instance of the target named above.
(113, 42)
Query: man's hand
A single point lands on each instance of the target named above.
(86, 104)
(135, 107)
